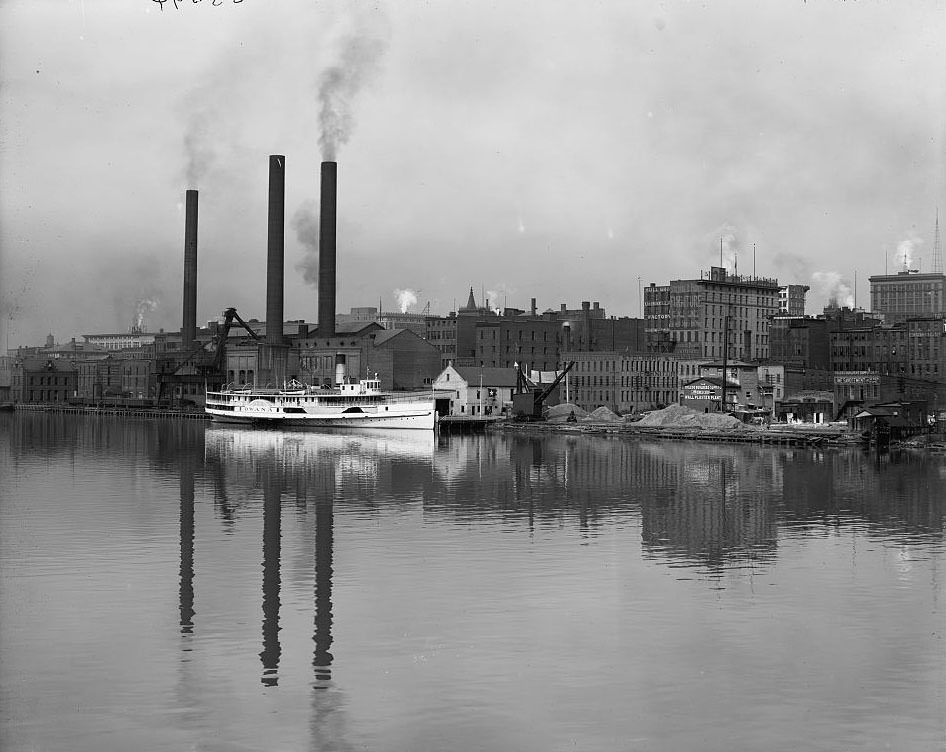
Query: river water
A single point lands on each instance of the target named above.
(176, 585)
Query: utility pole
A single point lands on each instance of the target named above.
(722, 404)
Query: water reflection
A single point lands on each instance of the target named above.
(340, 591)
(188, 464)
(324, 541)
(272, 520)
(321, 468)
(699, 504)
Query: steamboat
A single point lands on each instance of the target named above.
(352, 404)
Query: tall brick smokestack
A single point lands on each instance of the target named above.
(189, 320)
(327, 250)
(275, 249)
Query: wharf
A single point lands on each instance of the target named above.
(128, 412)
(466, 423)
(777, 437)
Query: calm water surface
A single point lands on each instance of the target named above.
(181, 586)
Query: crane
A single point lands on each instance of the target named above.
(528, 400)
(220, 339)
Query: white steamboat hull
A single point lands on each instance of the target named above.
(424, 419)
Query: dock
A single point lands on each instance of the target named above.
(466, 423)
(128, 412)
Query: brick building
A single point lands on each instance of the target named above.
(43, 380)
(621, 381)
(715, 316)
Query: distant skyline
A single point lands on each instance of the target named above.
(555, 150)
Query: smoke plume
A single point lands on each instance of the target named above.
(906, 251)
(836, 291)
(305, 222)
(359, 57)
(142, 307)
(199, 111)
(725, 240)
(405, 298)
(496, 297)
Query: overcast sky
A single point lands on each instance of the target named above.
(565, 151)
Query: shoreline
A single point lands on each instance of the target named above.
(809, 436)
(800, 435)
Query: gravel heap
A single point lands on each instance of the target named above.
(560, 413)
(602, 415)
(678, 416)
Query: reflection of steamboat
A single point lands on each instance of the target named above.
(351, 405)
(299, 448)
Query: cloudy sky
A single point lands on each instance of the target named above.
(565, 151)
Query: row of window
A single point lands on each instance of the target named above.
(241, 376)
(50, 381)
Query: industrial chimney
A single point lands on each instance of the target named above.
(327, 250)
(275, 249)
(189, 320)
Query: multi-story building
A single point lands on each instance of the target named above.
(908, 294)
(43, 380)
(401, 358)
(416, 322)
(134, 337)
(926, 346)
(481, 337)
(800, 341)
(719, 315)
(622, 381)
(744, 375)
(791, 300)
(533, 343)
(852, 349)
(442, 334)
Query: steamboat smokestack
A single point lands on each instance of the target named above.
(275, 249)
(327, 250)
(189, 320)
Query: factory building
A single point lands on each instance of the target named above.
(624, 382)
(481, 337)
(719, 315)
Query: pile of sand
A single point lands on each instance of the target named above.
(602, 415)
(560, 413)
(678, 416)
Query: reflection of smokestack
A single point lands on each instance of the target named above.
(275, 249)
(324, 539)
(327, 250)
(187, 544)
(189, 321)
(272, 534)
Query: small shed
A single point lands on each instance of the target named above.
(892, 421)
